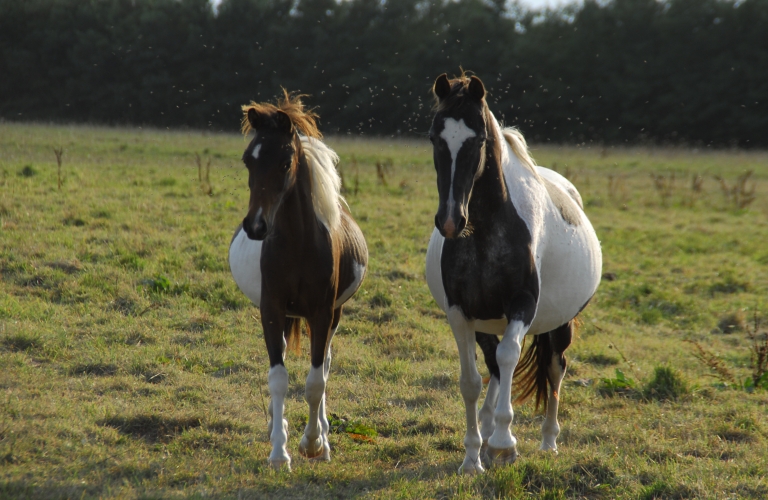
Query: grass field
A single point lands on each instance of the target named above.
(132, 367)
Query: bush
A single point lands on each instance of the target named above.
(666, 384)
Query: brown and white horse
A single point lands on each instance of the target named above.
(512, 254)
(297, 254)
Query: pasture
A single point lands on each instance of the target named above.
(134, 368)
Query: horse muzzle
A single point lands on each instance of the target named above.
(449, 227)
(255, 230)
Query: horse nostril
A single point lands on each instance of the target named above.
(462, 224)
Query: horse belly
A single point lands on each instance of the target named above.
(245, 265)
(569, 269)
(358, 271)
(434, 271)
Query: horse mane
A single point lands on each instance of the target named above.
(518, 146)
(325, 180)
(290, 104)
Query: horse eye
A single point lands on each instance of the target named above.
(285, 166)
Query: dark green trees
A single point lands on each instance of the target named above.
(693, 71)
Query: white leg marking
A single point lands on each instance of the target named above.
(311, 444)
(314, 444)
(325, 427)
(486, 412)
(471, 384)
(278, 388)
(550, 429)
(502, 444)
(454, 134)
(255, 152)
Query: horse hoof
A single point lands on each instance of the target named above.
(548, 448)
(317, 450)
(281, 464)
(325, 456)
(471, 467)
(502, 456)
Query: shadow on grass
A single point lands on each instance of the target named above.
(152, 428)
(22, 489)
(156, 428)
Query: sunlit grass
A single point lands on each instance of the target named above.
(133, 367)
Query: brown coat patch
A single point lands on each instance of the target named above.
(567, 206)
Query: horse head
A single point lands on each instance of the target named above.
(271, 159)
(459, 136)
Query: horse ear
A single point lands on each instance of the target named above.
(476, 88)
(442, 88)
(283, 122)
(255, 119)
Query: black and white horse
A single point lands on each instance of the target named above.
(298, 254)
(513, 254)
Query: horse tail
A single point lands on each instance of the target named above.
(533, 368)
(531, 371)
(293, 333)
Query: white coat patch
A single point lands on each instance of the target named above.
(454, 134)
(255, 152)
(245, 264)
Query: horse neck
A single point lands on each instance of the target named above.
(296, 218)
(489, 191)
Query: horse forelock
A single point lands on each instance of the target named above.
(455, 98)
(325, 180)
(291, 104)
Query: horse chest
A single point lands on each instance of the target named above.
(261, 267)
(484, 275)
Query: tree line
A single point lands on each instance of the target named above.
(613, 71)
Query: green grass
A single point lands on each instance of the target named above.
(133, 367)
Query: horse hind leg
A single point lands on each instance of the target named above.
(324, 425)
(559, 340)
(488, 344)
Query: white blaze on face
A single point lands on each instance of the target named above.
(454, 134)
(255, 152)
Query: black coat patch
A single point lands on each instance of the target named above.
(491, 273)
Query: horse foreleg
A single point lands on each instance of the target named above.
(471, 384)
(272, 323)
(314, 443)
(488, 344)
(502, 445)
